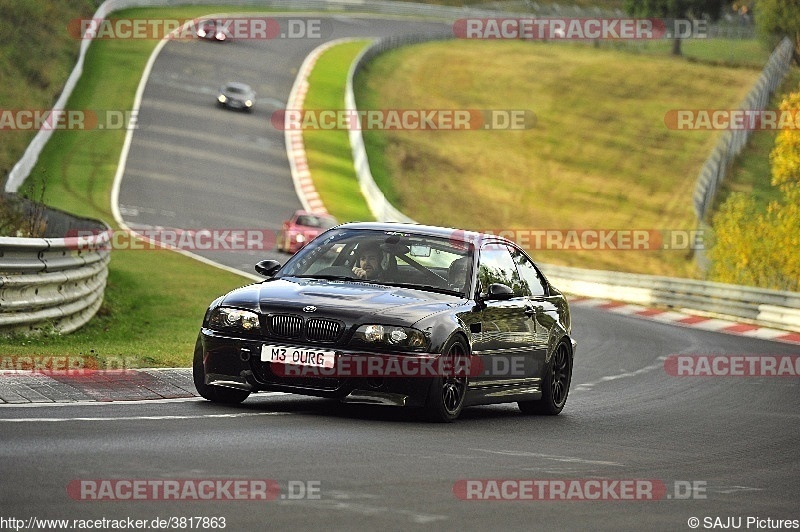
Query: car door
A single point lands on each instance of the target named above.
(503, 338)
(543, 313)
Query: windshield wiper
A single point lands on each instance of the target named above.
(327, 277)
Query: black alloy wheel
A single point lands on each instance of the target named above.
(446, 399)
(555, 385)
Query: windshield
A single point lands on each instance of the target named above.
(388, 258)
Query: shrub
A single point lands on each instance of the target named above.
(762, 248)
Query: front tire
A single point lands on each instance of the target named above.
(215, 394)
(555, 385)
(446, 396)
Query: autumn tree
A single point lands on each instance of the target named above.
(778, 18)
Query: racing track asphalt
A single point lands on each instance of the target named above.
(194, 165)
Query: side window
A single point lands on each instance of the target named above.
(530, 276)
(497, 266)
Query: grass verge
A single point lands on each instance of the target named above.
(328, 151)
(151, 314)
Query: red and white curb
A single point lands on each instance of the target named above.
(295, 147)
(687, 319)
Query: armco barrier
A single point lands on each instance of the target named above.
(772, 308)
(733, 141)
(53, 283)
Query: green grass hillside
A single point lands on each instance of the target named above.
(599, 156)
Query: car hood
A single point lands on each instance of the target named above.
(347, 300)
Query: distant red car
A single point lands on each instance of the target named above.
(302, 228)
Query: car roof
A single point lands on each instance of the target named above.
(301, 212)
(238, 85)
(451, 233)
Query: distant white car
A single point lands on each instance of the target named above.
(235, 95)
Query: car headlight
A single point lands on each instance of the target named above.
(390, 336)
(248, 103)
(233, 318)
(222, 98)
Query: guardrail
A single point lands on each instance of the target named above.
(732, 141)
(771, 308)
(53, 283)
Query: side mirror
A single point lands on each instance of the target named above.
(267, 268)
(498, 291)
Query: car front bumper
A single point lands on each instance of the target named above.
(235, 362)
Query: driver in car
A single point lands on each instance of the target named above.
(457, 273)
(368, 265)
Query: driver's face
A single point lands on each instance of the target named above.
(370, 262)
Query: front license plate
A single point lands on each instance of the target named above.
(297, 356)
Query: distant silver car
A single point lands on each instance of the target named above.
(212, 30)
(236, 95)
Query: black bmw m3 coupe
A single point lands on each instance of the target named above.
(396, 314)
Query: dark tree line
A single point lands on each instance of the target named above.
(676, 9)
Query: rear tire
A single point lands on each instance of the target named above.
(555, 385)
(446, 396)
(216, 394)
